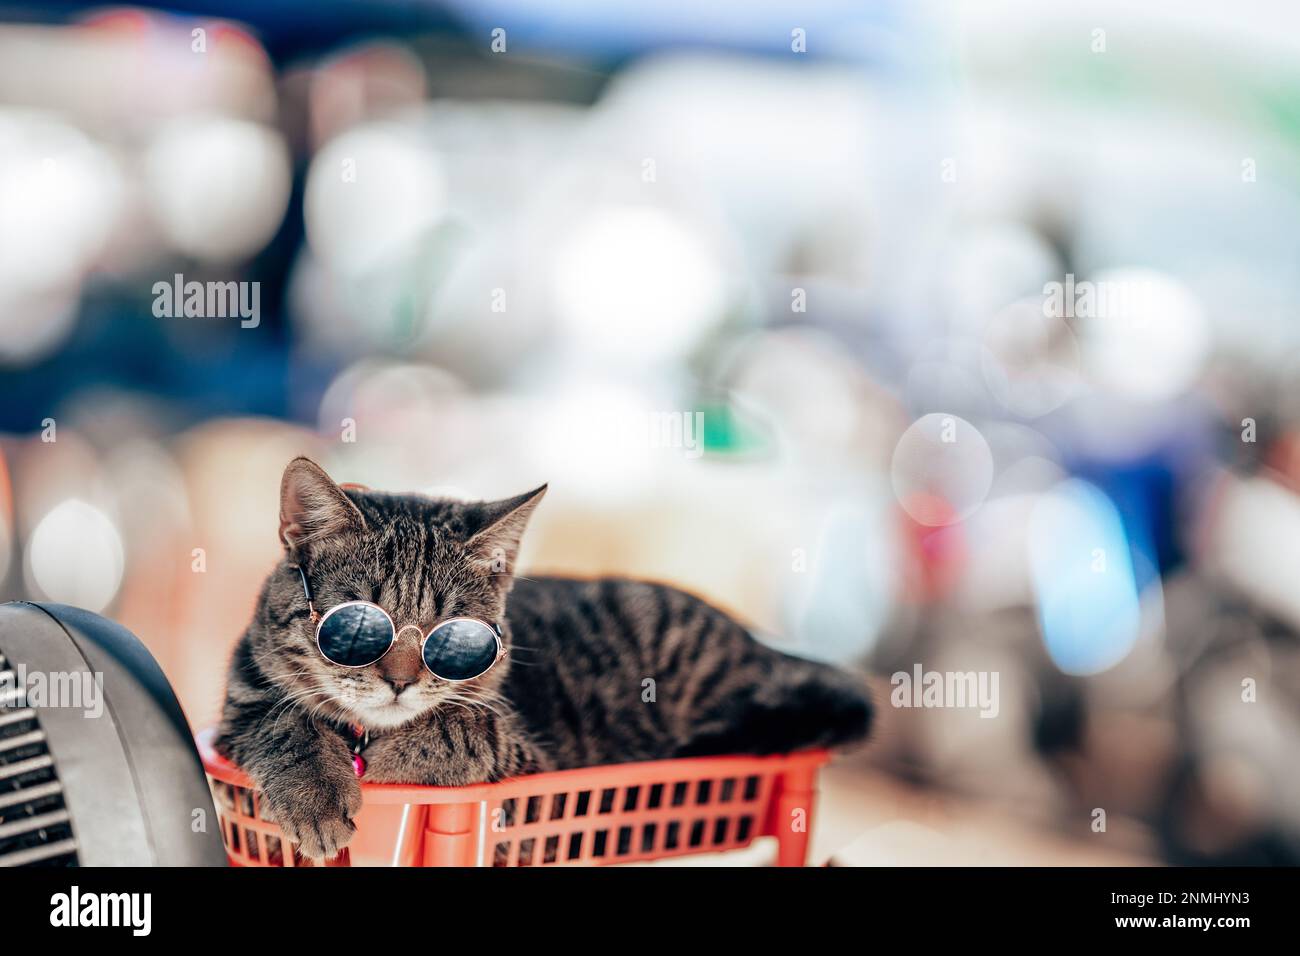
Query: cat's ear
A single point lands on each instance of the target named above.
(495, 544)
(312, 507)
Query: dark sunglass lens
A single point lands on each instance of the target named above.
(459, 650)
(355, 635)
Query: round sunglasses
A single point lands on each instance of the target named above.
(359, 633)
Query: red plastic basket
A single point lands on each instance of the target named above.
(620, 813)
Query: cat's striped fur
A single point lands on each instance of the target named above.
(599, 671)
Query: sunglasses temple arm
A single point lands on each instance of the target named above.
(306, 590)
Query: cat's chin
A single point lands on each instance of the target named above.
(388, 716)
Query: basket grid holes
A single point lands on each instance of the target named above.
(700, 836)
(246, 843)
(507, 811)
(657, 836)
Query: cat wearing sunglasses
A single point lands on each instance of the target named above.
(394, 643)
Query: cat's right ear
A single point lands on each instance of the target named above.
(312, 507)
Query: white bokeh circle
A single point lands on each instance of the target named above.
(941, 470)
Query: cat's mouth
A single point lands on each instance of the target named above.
(381, 708)
(393, 712)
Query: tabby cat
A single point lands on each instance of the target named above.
(594, 672)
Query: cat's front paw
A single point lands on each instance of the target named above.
(315, 814)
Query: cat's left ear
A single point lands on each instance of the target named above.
(313, 508)
(496, 544)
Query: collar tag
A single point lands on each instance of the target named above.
(360, 740)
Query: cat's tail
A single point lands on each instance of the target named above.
(798, 705)
(815, 705)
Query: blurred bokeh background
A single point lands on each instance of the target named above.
(951, 335)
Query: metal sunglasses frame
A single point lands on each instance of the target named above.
(319, 620)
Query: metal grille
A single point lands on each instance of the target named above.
(35, 829)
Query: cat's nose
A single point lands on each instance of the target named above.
(401, 666)
(399, 684)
